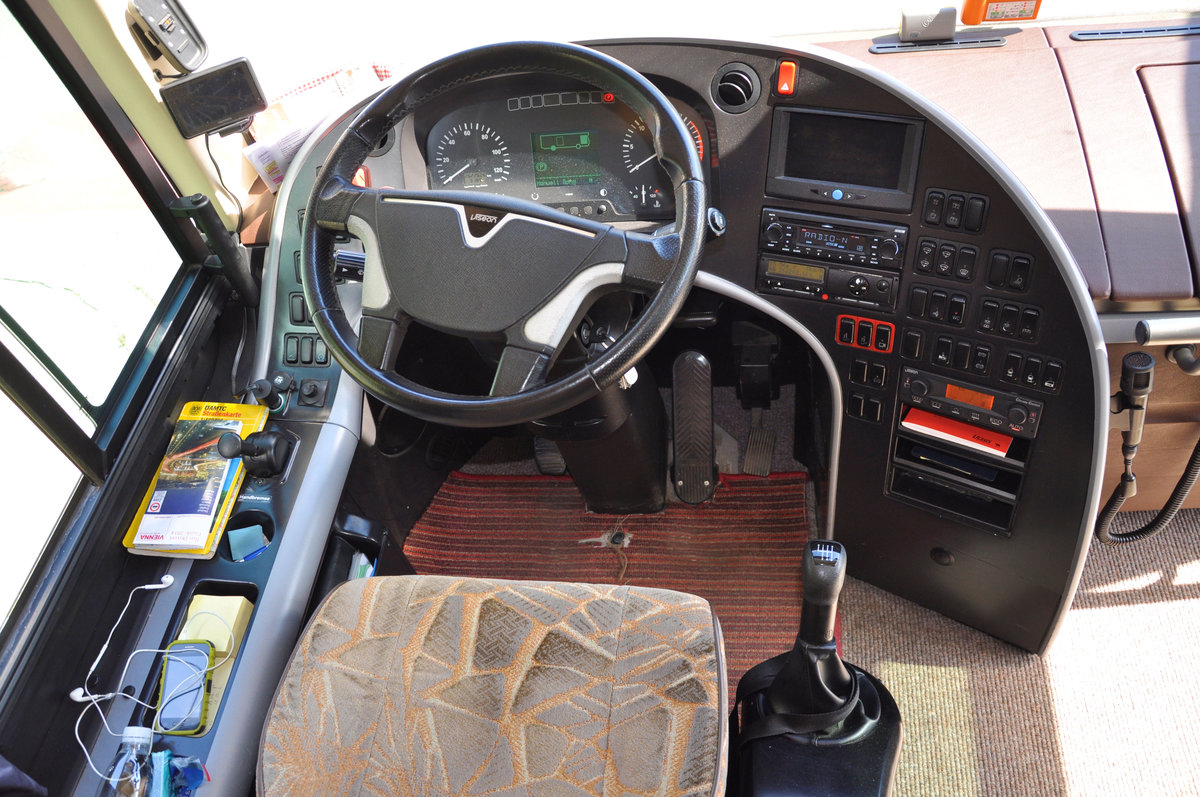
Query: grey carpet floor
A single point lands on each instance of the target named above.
(1113, 708)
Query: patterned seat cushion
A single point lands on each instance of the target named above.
(433, 685)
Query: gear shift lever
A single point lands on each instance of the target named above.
(809, 723)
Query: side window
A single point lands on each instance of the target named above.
(83, 268)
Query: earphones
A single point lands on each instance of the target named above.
(81, 694)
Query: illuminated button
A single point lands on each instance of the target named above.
(964, 266)
(945, 259)
(981, 360)
(883, 337)
(858, 372)
(1052, 376)
(857, 405)
(942, 351)
(846, 331)
(954, 210)
(1032, 374)
(1012, 367)
(918, 302)
(866, 331)
(786, 84)
(910, 345)
(926, 252)
(1009, 316)
(973, 220)
(837, 193)
(935, 203)
(962, 355)
(1029, 324)
(1018, 278)
(998, 269)
(937, 305)
(990, 317)
(297, 308)
(958, 310)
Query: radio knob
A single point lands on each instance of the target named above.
(1017, 415)
(774, 232)
(889, 249)
(919, 387)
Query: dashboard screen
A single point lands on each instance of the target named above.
(845, 149)
(565, 158)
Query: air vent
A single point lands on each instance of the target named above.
(736, 88)
(1136, 33)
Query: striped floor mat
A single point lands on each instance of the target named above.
(741, 550)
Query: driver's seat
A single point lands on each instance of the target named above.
(434, 685)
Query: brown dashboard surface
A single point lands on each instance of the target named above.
(1105, 134)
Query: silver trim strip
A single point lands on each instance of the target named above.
(551, 324)
(278, 616)
(479, 242)
(726, 288)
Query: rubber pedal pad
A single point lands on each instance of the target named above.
(694, 475)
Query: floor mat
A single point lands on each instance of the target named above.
(741, 550)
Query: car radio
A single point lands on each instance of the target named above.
(829, 258)
(1004, 412)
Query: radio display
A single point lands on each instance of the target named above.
(832, 239)
(972, 397)
(799, 270)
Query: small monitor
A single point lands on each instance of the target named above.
(863, 160)
(214, 99)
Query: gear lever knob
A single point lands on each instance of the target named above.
(824, 572)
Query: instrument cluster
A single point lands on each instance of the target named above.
(580, 150)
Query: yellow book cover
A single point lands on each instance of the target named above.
(185, 509)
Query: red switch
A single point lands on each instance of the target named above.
(787, 77)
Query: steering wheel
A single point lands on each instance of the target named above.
(487, 266)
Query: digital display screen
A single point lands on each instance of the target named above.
(830, 239)
(799, 270)
(205, 102)
(972, 397)
(565, 158)
(846, 150)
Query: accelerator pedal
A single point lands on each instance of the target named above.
(760, 446)
(693, 473)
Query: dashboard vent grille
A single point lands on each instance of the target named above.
(736, 87)
(1136, 33)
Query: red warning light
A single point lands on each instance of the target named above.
(609, 97)
(824, 297)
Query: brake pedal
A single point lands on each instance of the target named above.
(549, 459)
(760, 446)
(693, 474)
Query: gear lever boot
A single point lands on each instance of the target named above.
(807, 723)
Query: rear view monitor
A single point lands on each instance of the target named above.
(861, 160)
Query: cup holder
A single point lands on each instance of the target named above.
(242, 533)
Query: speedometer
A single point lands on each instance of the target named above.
(470, 155)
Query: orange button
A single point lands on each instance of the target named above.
(787, 77)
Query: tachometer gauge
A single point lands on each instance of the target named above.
(637, 148)
(470, 155)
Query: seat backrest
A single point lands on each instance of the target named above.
(436, 685)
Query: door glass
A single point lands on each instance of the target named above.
(83, 263)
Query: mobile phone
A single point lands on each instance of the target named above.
(184, 687)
